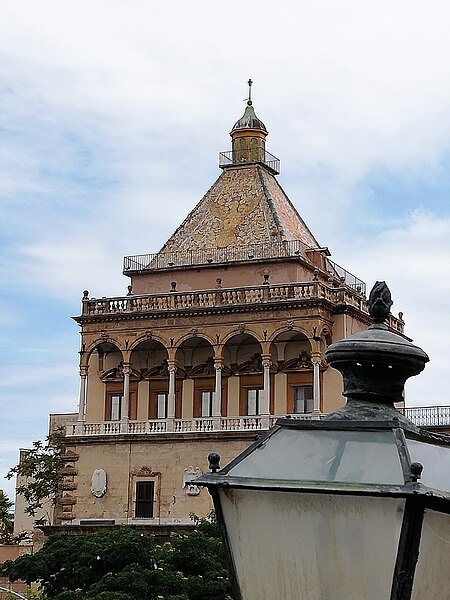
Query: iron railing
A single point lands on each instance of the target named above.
(208, 256)
(231, 157)
(428, 416)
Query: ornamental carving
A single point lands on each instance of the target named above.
(145, 471)
(302, 361)
(234, 211)
(189, 476)
(98, 483)
(253, 365)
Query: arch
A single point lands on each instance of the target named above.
(194, 334)
(147, 337)
(290, 344)
(148, 354)
(286, 329)
(241, 331)
(98, 343)
(242, 348)
(193, 351)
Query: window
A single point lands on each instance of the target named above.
(303, 399)
(116, 407)
(145, 493)
(254, 401)
(207, 403)
(161, 405)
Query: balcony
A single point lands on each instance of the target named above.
(176, 426)
(428, 416)
(230, 158)
(219, 298)
(234, 254)
(210, 256)
(424, 416)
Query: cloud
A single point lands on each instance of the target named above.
(112, 115)
(414, 258)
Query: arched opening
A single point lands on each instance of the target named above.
(242, 356)
(149, 358)
(294, 381)
(197, 374)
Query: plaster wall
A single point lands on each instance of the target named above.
(332, 390)
(143, 400)
(205, 278)
(162, 461)
(280, 399)
(187, 405)
(233, 396)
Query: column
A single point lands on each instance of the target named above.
(125, 398)
(171, 398)
(265, 408)
(217, 407)
(316, 383)
(83, 387)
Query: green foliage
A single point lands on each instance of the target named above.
(29, 594)
(41, 467)
(6, 519)
(122, 564)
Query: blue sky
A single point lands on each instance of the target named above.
(112, 115)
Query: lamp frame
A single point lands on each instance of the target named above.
(418, 497)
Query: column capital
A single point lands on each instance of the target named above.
(316, 358)
(218, 364)
(126, 368)
(266, 360)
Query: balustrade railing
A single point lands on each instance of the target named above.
(207, 256)
(429, 416)
(230, 157)
(222, 297)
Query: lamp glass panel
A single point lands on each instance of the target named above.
(341, 456)
(436, 463)
(432, 576)
(287, 545)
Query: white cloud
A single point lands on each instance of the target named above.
(414, 260)
(114, 113)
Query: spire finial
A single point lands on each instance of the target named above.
(249, 99)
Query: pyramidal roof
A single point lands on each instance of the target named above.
(245, 206)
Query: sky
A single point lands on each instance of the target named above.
(112, 114)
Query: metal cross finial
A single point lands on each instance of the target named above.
(249, 101)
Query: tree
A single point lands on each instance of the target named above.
(41, 468)
(123, 564)
(6, 519)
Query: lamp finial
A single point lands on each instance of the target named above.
(380, 302)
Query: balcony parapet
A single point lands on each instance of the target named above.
(424, 416)
(223, 297)
(292, 249)
(428, 416)
(230, 158)
(181, 426)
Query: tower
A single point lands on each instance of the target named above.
(221, 331)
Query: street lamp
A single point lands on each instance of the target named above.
(352, 507)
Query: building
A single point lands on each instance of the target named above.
(221, 331)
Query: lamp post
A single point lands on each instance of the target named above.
(353, 507)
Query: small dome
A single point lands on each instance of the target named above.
(249, 120)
